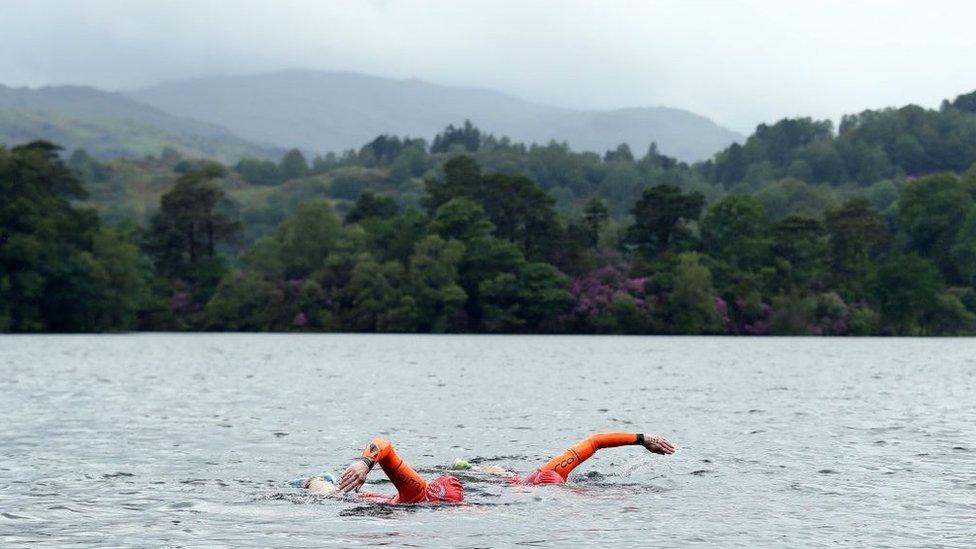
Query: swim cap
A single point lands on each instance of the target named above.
(544, 476)
(460, 465)
(445, 489)
(300, 482)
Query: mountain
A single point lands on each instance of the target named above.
(110, 125)
(333, 111)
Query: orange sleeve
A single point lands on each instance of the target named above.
(411, 487)
(565, 462)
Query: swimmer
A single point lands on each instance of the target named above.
(412, 488)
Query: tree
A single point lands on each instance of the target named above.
(522, 213)
(369, 206)
(963, 252)
(660, 218)
(258, 172)
(799, 248)
(855, 231)
(690, 305)
(125, 276)
(735, 230)
(394, 238)
(515, 205)
(243, 302)
(307, 238)
(948, 316)
(529, 300)
(435, 295)
(189, 225)
(484, 257)
(462, 178)
(596, 215)
(466, 136)
(60, 269)
(931, 212)
(373, 296)
(906, 287)
(383, 149)
(965, 102)
(791, 196)
(293, 165)
(620, 154)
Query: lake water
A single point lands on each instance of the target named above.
(189, 440)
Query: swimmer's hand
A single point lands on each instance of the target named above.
(658, 445)
(353, 477)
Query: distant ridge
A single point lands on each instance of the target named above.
(333, 111)
(110, 125)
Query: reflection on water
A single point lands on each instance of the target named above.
(190, 439)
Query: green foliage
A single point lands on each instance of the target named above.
(807, 232)
(293, 165)
(437, 298)
(690, 306)
(374, 297)
(190, 225)
(661, 217)
(931, 212)
(799, 248)
(307, 239)
(60, 268)
(907, 288)
(736, 230)
(963, 252)
(370, 206)
(869, 146)
(855, 231)
(794, 197)
(467, 137)
(529, 300)
(258, 172)
(596, 214)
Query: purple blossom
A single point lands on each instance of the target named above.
(593, 293)
(742, 318)
(179, 300)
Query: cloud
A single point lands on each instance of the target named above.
(738, 62)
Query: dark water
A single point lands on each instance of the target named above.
(188, 440)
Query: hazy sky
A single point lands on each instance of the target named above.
(740, 63)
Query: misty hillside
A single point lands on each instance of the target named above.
(334, 111)
(110, 125)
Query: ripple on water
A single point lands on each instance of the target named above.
(170, 440)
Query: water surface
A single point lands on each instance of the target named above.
(188, 440)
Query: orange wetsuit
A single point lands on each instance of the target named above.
(411, 487)
(557, 469)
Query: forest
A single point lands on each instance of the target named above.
(803, 229)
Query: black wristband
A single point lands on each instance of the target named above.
(640, 439)
(369, 463)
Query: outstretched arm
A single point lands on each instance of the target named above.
(409, 484)
(565, 462)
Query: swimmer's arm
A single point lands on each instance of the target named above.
(653, 443)
(564, 463)
(355, 475)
